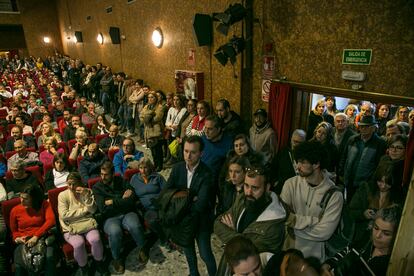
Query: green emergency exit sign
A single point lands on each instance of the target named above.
(357, 56)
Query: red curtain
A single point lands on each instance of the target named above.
(280, 112)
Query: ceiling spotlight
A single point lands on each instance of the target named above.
(229, 51)
(231, 15)
(46, 39)
(100, 38)
(157, 37)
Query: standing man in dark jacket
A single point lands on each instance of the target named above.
(232, 123)
(117, 205)
(194, 175)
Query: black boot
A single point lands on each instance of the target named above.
(82, 271)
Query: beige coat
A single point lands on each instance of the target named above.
(76, 216)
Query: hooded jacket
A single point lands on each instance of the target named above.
(90, 167)
(310, 231)
(267, 232)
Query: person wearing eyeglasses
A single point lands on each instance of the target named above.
(310, 225)
(127, 154)
(257, 213)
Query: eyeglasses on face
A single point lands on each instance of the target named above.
(396, 148)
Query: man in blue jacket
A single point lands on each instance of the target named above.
(127, 154)
(195, 176)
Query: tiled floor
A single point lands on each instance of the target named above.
(162, 262)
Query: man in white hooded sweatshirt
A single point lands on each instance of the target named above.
(310, 226)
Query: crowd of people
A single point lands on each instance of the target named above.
(73, 129)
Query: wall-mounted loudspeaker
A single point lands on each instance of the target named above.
(114, 33)
(79, 37)
(203, 29)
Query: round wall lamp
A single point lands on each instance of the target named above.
(100, 38)
(157, 37)
(46, 39)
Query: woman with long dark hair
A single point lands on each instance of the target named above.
(382, 191)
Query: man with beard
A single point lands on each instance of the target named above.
(116, 203)
(257, 214)
(309, 224)
(232, 123)
(262, 136)
(90, 165)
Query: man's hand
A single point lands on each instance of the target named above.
(109, 202)
(127, 156)
(127, 193)
(113, 148)
(291, 220)
(32, 241)
(227, 220)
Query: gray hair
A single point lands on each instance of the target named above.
(299, 132)
(341, 114)
(390, 214)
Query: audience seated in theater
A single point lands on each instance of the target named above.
(38, 115)
(196, 126)
(233, 184)
(51, 148)
(382, 191)
(113, 141)
(262, 137)
(32, 107)
(318, 115)
(76, 207)
(56, 177)
(90, 165)
(100, 126)
(310, 226)
(116, 203)
(147, 185)
(126, 155)
(232, 123)
(70, 130)
(58, 110)
(374, 256)
(16, 110)
(28, 157)
(81, 145)
(4, 93)
(30, 222)
(323, 134)
(62, 124)
(257, 213)
(361, 155)
(46, 119)
(21, 179)
(285, 164)
(89, 117)
(25, 128)
(48, 132)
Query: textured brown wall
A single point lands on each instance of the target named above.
(136, 55)
(39, 19)
(10, 19)
(311, 35)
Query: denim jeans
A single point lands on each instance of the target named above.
(114, 226)
(204, 247)
(106, 102)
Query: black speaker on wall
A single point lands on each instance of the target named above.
(203, 29)
(114, 33)
(79, 37)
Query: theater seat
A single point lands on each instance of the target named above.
(111, 154)
(129, 173)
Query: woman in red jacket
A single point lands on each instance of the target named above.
(30, 222)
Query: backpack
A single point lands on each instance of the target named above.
(344, 232)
